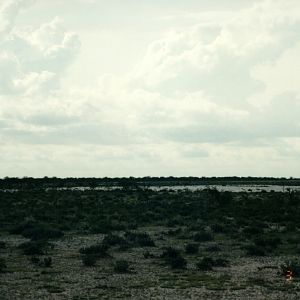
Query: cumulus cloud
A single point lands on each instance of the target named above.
(9, 11)
(223, 90)
(33, 60)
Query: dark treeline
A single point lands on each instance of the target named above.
(51, 182)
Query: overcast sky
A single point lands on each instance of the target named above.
(149, 87)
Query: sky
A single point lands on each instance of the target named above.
(118, 88)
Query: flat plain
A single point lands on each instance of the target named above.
(134, 243)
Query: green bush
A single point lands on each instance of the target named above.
(218, 228)
(42, 232)
(18, 229)
(33, 247)
(253, 230)
(121, 266)
(2, 265)
(89, 260)
(147, 255)
(139, 239)
(47, 262)
(203, 236)
(35, 260)
(205, 264)
(2, 245)
(213, 248)
(254, 250)
(221, 262)
(113, 240)
(192, 248)
(98, 250)
(174, 258)
(268, 242)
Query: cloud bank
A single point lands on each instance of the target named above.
(218, 97)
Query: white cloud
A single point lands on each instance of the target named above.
(9, 10)
(33, 59)
(194, 99)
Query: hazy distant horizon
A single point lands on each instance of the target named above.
(120, 88)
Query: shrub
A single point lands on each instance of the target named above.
(47, 262)
(33, 248)
(173, 257)
(113, 240)
(139, 239)
(121, 266)
(106, 226)
(2, 245)
(18, 229)
(213, 248)
(269, 242)
(174, 232)
(205, 264)
(98, 250)
(192, 248)
(2, 265)
(221, 262)
(254, 250)
(147, 255)
(217, 228)
(35, 260)
(89, 260)
(203, 237)
(42, 232)
(253, 230)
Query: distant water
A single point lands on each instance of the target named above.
(223, 188)
(232, 188)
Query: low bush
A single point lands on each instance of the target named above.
(113, 240)
(203, 236)
(139, 239)
(218, 228)
(42, 232)
(33, 247)
(35, 260)
(18, 229)
(147, 255)
(98, 250)
(121, 266)
(213, 248)
(254, 250)
(221, 262)
(174, 258)
(106, 227)
(47, 262)
(2, 265)
(89, 260)
(253, 230)
(36, 231)
(192, 248)
(268, 242)
(2, 245)
(205, 264)
(174, 232)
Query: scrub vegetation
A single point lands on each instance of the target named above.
(133, 242)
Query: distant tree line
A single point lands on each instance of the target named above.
(135, 182)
